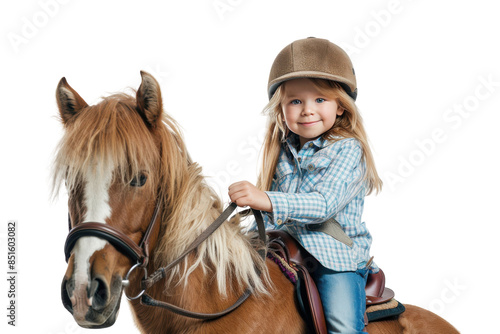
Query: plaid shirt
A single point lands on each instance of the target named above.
(320, 181)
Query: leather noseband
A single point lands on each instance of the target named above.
(119, 240)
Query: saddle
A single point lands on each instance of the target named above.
(285, 246)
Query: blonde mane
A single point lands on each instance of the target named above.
(114, 134)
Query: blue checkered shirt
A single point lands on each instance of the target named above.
(322, 180)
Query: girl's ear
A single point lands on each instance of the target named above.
(69, 101)
(149, 102)
(340, 109)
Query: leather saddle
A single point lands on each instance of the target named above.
(307, 293)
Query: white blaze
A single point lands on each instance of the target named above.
(96, 200)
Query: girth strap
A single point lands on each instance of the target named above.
(333, 229)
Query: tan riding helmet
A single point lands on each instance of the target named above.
(313, 58)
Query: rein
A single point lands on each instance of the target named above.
(161, 273)
(140, 253)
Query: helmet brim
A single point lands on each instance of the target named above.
(346, 84)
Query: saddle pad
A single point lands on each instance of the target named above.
(385, 310)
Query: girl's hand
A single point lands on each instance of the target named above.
(246, 194)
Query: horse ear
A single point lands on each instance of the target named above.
(68, 101)
(149, 103)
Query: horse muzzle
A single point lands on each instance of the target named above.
(95, 305)
(94, 301)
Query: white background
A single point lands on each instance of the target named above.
(418, 63)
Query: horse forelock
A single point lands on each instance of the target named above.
(109, 135)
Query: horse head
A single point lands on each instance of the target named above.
(120, 161)
(109, 160)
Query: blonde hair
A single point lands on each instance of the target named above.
(348, 125)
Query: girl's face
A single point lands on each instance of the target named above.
(308, 113)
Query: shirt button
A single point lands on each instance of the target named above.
(279, 222)
(310, 167)
(300, 159)
(311, 144)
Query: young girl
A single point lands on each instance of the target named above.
(317, 165)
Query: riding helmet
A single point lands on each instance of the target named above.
(313, 58)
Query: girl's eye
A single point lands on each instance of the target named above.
(320, 100)
(139, 181)
(295, 101)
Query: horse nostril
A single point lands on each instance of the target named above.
(99, 293)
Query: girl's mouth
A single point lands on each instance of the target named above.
(308, 123)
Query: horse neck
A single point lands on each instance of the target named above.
(189, 207)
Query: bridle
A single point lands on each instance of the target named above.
(139, 253)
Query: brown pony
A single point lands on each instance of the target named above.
(117, 159)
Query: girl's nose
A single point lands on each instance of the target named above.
(307, 109)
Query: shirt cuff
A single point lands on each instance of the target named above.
(280, 207)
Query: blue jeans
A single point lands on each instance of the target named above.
(343, 297)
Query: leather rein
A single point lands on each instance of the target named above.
(140, 254)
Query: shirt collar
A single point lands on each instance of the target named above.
(294, 141)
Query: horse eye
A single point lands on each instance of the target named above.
(139, 181)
